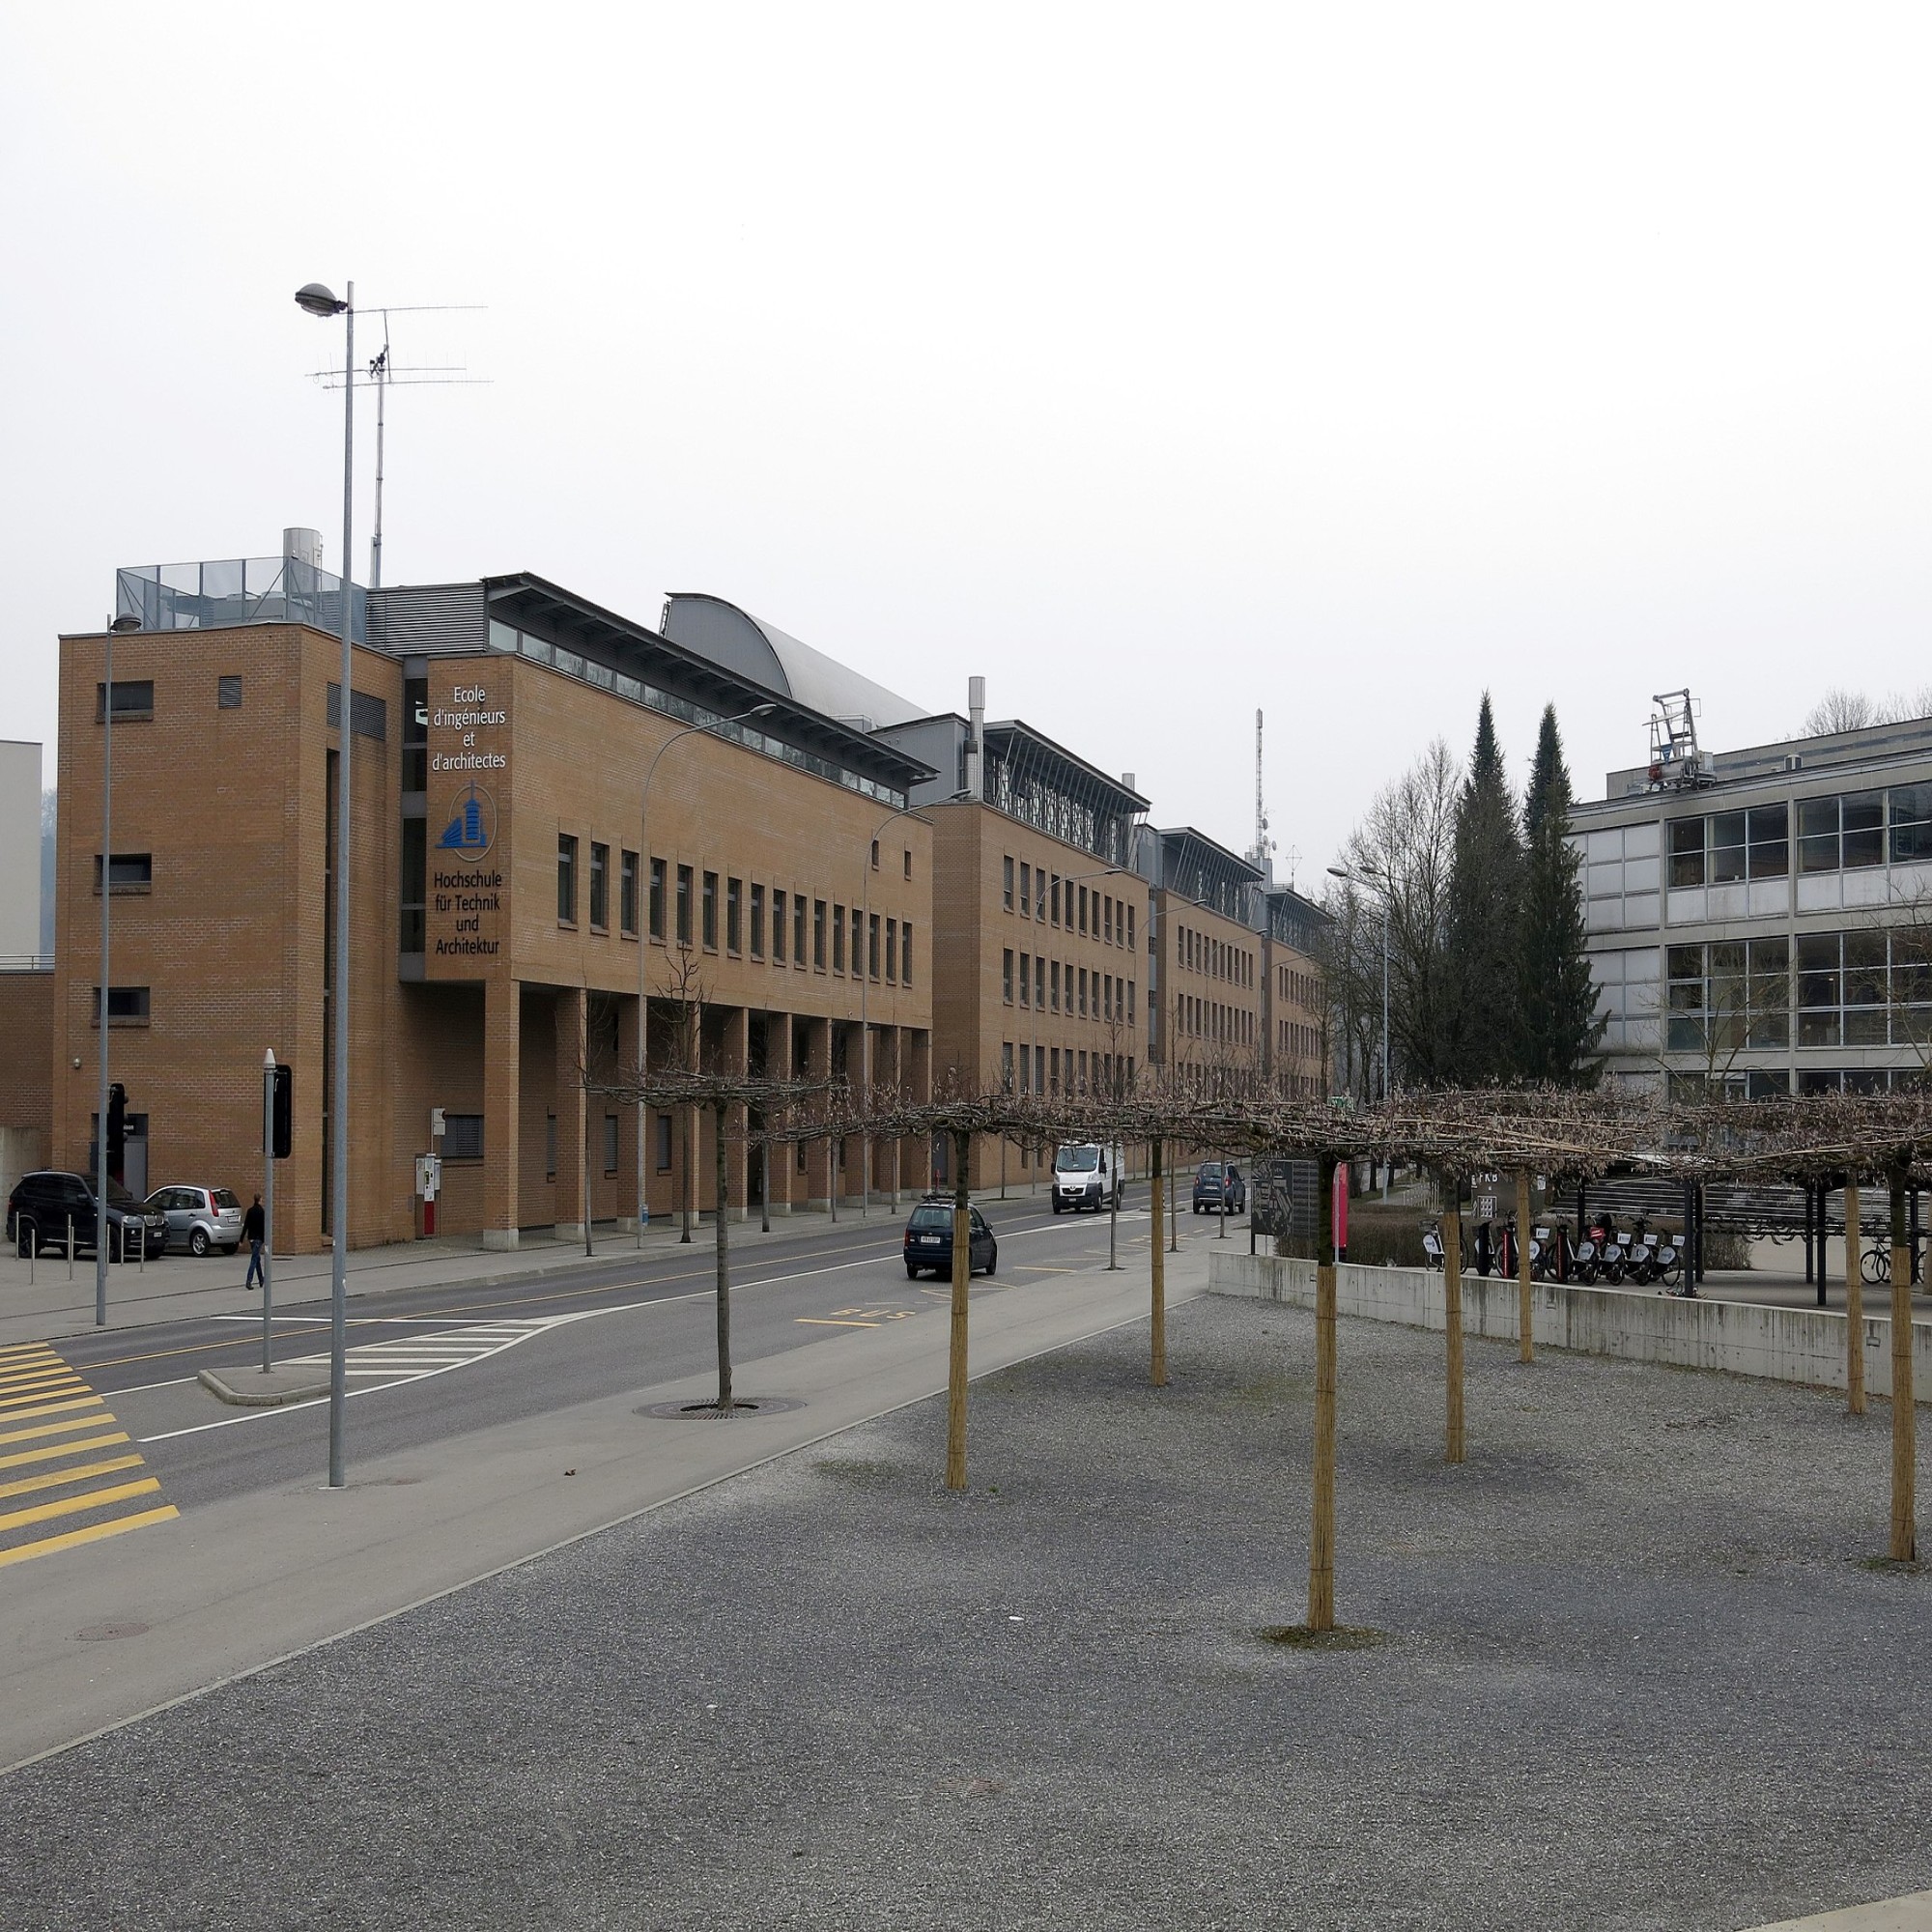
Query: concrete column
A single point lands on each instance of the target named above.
(501, 1109)
(818, 1153)
(570, 1046)
(627, 1119)
(734, 1058)
(779, 1064)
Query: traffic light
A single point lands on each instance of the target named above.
(117, 1131)
(283, 1112)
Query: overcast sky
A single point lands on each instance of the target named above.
(1157, 363)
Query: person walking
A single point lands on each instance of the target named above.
(255, 1231)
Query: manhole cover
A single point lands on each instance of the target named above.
(743, 1409)
(103, 1632)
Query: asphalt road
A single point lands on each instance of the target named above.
(610, 1327)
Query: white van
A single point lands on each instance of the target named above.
(1086, 1175)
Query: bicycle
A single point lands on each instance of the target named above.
(1875, 1265)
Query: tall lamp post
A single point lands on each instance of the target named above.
(644, 932)
(315, 299)
(121, 626)
(1379, 880)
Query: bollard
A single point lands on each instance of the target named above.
(33, 1249)
(141, 1253)
(69, 1247)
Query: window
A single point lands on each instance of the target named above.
(1129, 1015)
(228, 694)
(798, 936)
(1026, 891)
(600, 886)
(711, 912)
(1006, 1060)
(777, 926)
(127, 1005)
(128, 873)
(657, 899)
(1007, 976)
(1769, 828)
(133, 702)
(1130, 925)
(550, 1146)
(1820, 987)
(875, 855)
(1083, 908)
(1911, 824)
(1040, 982)
(412, 887)
(1008, 882)
(734, 915)
(873, 948)
(1026, 983)
(818, 933)
(664, 1142)
(1687, 852)
(627, 893)
(684, 883)
(1053, 986)
(1056, 898)
(908, 862)
(905, 952)
(858, 941)
(609, 1144)
(757, 921)
(1083, 992)
(838, 939)
(892, 950)
(1107, 917)
(566, 879)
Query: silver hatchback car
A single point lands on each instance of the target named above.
(200, 1218)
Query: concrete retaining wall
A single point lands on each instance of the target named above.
(1785, 1345)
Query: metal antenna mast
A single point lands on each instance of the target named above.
(380, 370)
(1263, 844)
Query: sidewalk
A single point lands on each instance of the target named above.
(180, 1288)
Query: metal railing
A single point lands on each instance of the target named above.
(228, 591)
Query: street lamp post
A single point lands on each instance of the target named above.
(1379, 880)
(315, 299)
(644, 934)
(120, 625)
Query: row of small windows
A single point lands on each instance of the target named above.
(1201, 952)
(1209, 1019)
(1858, 988)
(707, 909)
(1843, 834)
(1777, 1083)
(1050, 1070)
(1301, 989)
(1051, 987)
(1302, 1042)
(135, 698)
(1052, 900)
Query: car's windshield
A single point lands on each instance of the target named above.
(1076, 1161)
(225, 1197)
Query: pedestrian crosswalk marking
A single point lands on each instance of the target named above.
(411, 1358)
(45, 1404)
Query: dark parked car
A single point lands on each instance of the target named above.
(1208, 1184)
(928, 1241)
(40, 1208)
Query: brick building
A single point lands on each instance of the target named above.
(516, 890)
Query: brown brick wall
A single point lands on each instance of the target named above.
(26, 1050)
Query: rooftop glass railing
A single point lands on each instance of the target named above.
(236, 590)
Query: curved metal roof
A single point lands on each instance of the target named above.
(774, 658)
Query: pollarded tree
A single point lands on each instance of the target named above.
(1485, 897)
(1558, 999)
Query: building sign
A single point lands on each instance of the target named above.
(469, 771)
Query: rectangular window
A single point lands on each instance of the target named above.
(1911, 824)
(1053, 1069)
(664, 1142)
(858, 941)
(1053, 986)
(600, 886)
(798, 935)
(1820, 988)
(132, 700)
(1008, 882)
(1130, 925)
(550, 1146)
(228, 694)
(1026, 983)
(734, 915)
(908, 862)
(127, 1005)
(710, 912)
(757, 921)
(875, 855)
(1131, 1003)
(1056, 898)
(905, 952)
(1727, 847)
(1083, 992)
(626, 895)
(609, 1144)
(892, 949)
(1026, 890)
(818, 933)
(871, 948)
(1818, 835)
(1687, 852)
(129, 872)
(1006, 1060)
(1040, 981)
(1107, 917)
(838, 939)
(684, 885)
(1007, 976)
(463, 1137)
(566, 879)
(1083, 908)
(656, 908)
(777, 927)
(1769, 827)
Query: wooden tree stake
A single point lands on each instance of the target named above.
(1904, 1420)
(1321, 1528)
(1526, 1303)
(1452, 1312)
(1855, 1307)
(962, 1277)
(724, 1273)
(1158, 1370)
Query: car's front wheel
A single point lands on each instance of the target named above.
(27, 1238)
(198, 1244)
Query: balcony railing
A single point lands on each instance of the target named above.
(238, 590)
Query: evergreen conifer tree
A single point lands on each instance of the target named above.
(1485, 919)
(1561, 1027)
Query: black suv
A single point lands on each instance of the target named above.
(41, 1208)
(928, 1241)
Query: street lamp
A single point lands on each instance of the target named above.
(1379, 880)
(122, 625)
(644, 935)
(312, 298)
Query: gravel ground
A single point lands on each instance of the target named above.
(1632, 1672)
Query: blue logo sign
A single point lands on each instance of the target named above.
(469, 835)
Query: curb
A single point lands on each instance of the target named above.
(225, 1391)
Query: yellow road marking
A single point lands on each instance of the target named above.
(53, 1449)
(21, 1393)
(14, 1348)
(52, 1478)
(55, 1428)
(25, 1369)
(93, 1533)
(825, 1321)
(73, 1505)
(50, 1409)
